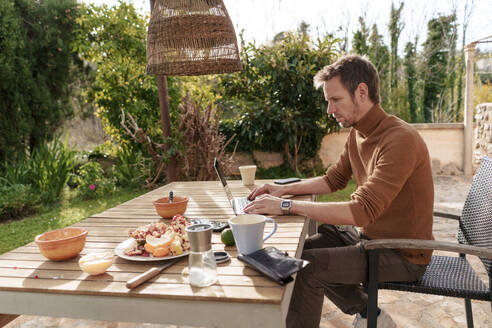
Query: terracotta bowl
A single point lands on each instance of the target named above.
(166, 210)
(61, 244)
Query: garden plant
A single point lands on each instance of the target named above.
(62, 58)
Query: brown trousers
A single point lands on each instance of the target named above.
(338, 268)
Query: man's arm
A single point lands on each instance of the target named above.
(338, 175)
(315, 186)
(267, 198)
(332, 213)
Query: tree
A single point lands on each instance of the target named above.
(303, 28)
(411, 77)
(461, 62)
(379, 55)
(395, 27)
(448, 109)
(113, 40)
(14, 69)
(372, 45)
(436, 54)
(35, 65)
(359, 40)
(342, 35)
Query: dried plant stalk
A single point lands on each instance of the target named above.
(131, 127)
(202, 141)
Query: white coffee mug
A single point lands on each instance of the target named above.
(248, 231)
(248, 174)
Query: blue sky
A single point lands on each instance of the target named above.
(263, 19)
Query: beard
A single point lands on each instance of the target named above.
(346, 124)
(355, 113)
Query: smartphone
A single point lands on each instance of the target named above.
(286, 181)
(217, 226)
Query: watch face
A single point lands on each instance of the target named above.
(285, 204)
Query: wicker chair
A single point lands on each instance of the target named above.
(447, 275)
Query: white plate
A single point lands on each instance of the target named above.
(120, 251)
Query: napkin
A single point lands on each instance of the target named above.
(273, 263)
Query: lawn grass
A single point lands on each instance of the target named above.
(339, 196)
(71, 210)
(277, 172)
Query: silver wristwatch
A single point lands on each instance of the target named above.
(285, 205)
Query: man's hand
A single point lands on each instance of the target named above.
(273, 190)
(264, 204)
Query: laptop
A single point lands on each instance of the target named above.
(237, 203)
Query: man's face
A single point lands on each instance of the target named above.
(340, 104)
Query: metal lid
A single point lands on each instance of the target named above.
(200, 236)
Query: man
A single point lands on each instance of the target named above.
(394, 199)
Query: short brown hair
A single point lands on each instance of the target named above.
(353, 70)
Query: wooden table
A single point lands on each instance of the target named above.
(31, 284)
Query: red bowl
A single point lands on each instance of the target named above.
(166, 210)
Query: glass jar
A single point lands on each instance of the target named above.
(202, 266)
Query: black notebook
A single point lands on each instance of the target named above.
(274, 264)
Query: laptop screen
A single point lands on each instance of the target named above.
(222, 179)
(219, 172)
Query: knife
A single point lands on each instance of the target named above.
(134, 282)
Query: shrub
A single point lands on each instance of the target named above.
(15, 190)
(277, 172)
(17, 200)
(277, 107)
(128, 170)
(28, 183)
(228, 128)
(46, 170)
(15, 172)
(80, 158)
(91, 181)
(49, 169)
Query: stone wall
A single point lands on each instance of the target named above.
(84, 133)
(483, 133)
(444, 141)
(263, 159)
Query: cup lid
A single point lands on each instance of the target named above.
(200, 236)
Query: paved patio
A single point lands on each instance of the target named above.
(408, 310)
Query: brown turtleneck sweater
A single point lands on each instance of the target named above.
(395, 192)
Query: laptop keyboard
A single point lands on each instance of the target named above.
(240, 203)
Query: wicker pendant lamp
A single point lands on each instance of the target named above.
(191, 37)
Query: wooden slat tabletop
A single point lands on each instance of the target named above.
(26, 270)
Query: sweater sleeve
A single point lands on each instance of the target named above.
(337, 176)
(395, 162)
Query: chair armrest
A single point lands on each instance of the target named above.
(446, 215)
(428, 244)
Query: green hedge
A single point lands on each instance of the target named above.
(274, 104)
